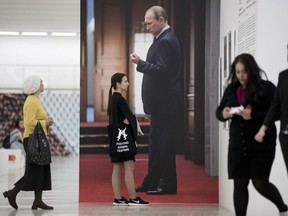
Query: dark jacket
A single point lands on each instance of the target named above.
(161, 81)
(242, 132)
(120, 110)
(279, 107)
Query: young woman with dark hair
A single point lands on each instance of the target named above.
(119, 111)
(247, 158)
(16, 136)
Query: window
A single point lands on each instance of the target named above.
(141, 45)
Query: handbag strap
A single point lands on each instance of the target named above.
(39, 125)
(114, 114)
(40, 128)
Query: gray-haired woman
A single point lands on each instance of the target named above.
(36, 178)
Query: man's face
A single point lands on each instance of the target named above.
(153, 26)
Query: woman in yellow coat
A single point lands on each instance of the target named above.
(36, 178)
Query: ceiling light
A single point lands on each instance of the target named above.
(34, 33)
(69, 34)
(8, 33)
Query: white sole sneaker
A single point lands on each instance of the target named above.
(137, 204)
(120, 204)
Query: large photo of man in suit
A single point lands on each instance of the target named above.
(160, 95)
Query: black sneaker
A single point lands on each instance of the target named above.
(137, 201)
(120, 202)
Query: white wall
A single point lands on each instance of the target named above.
(271, 54)
(55, 59)
(228, 21)
(273, 37)
(272, 57)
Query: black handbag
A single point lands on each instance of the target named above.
(38, 147)
(121, 140)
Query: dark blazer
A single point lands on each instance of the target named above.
(120, 110)
(248, 158)
(161, 81)
(279, 106)
(242, 132)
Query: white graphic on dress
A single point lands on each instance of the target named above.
(121, 132)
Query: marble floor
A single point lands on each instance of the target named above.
(64, 198)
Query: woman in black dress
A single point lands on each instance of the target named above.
(245, 102)
(119, 112)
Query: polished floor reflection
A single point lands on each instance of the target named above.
(64, 198)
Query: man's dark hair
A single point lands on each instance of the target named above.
(158, 12)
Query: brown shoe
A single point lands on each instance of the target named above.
(41, 205)
(11, 199)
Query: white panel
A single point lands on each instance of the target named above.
(228, 22)
(63, 107)
(55, 59)
(142, 44)
(40, 15)
(272, 58)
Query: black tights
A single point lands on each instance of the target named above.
(284, 147)
(265, 188)
(37, 194)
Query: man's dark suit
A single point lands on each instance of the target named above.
(279, 110)
(161, 98)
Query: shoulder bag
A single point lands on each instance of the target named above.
(121, 140)
(122, 143)
(38, 147)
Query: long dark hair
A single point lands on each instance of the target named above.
(16, 125)
(253, 71)
(116, 78)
